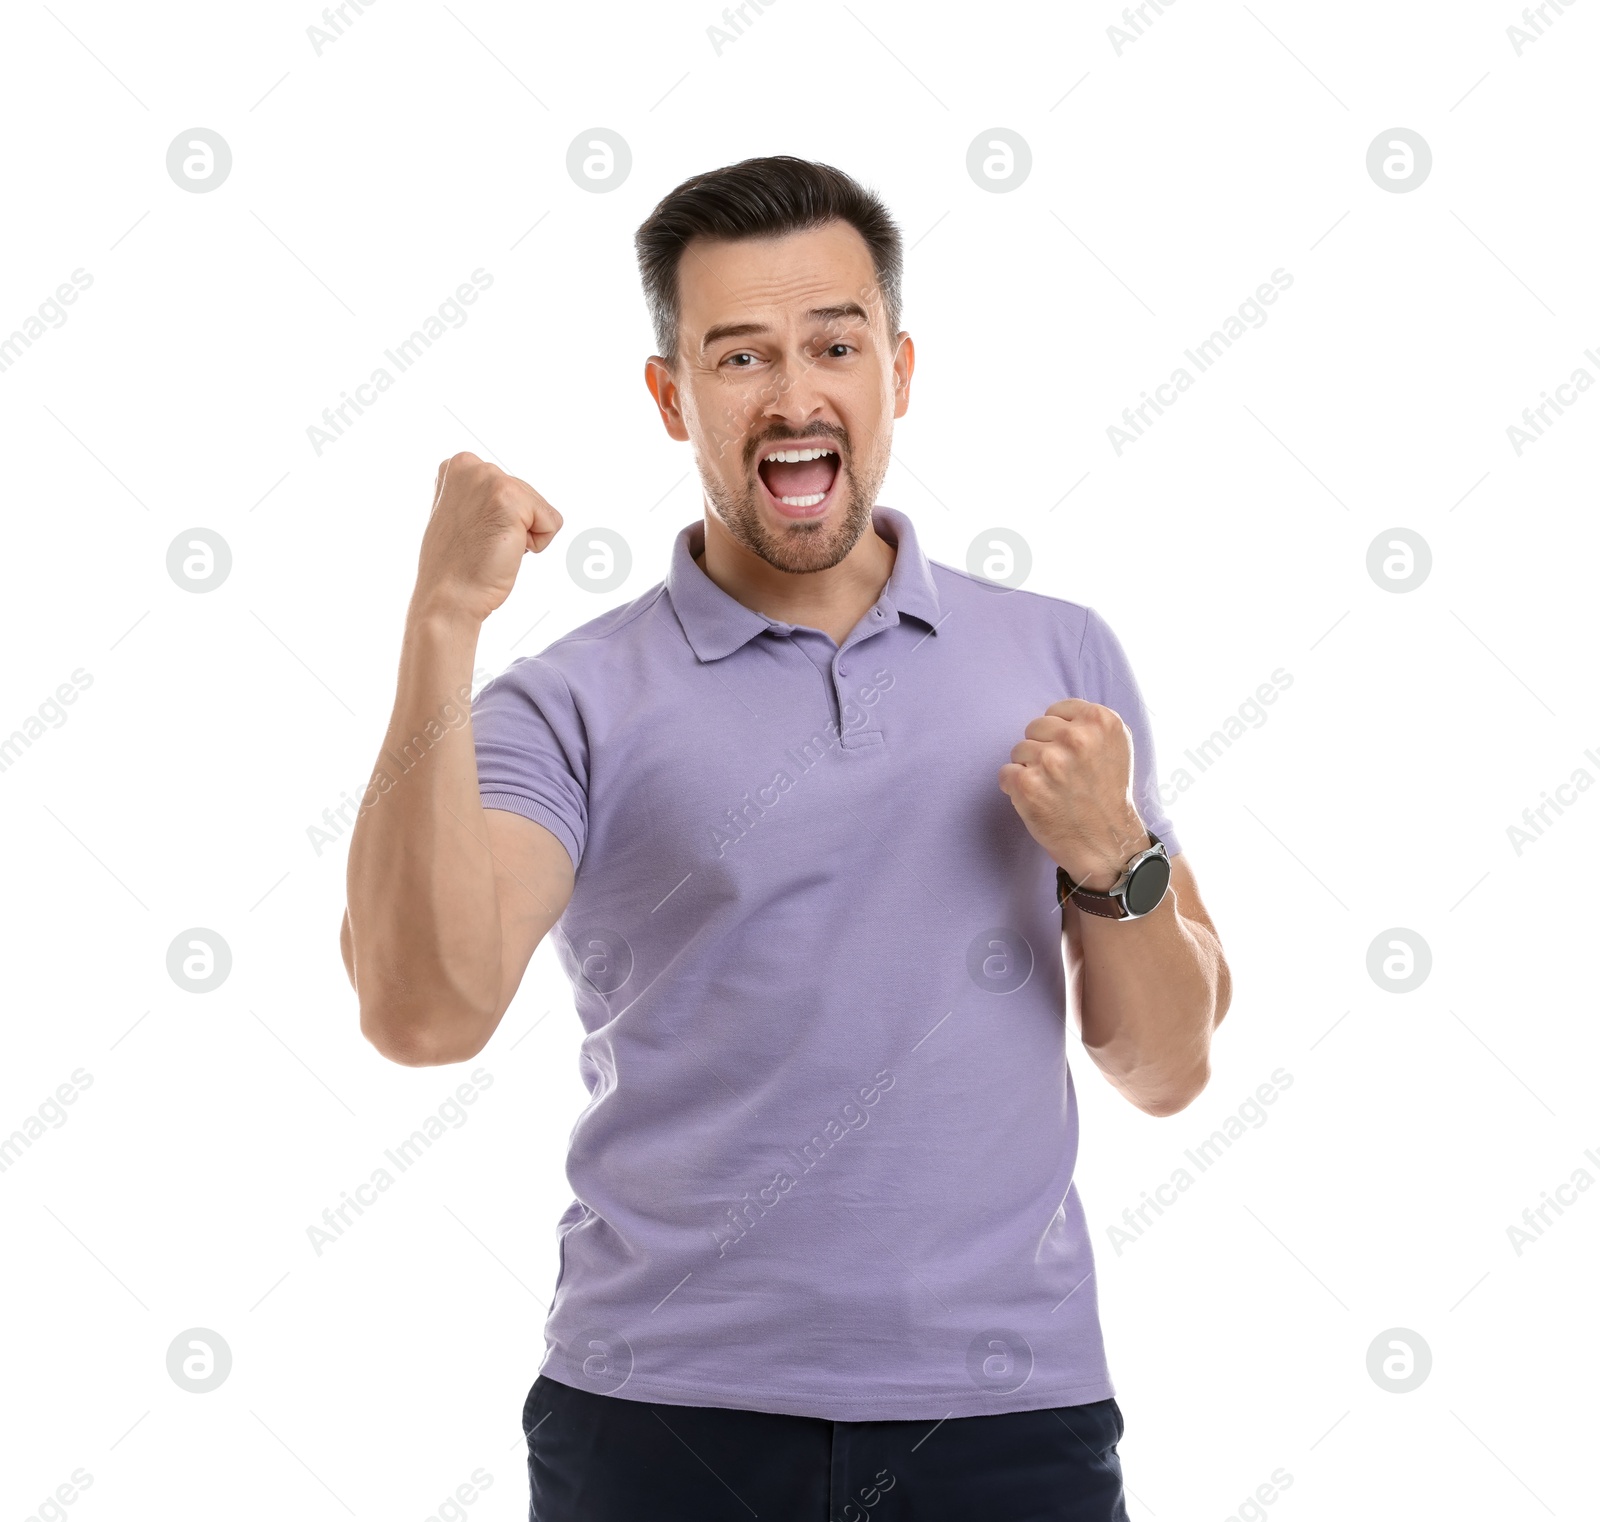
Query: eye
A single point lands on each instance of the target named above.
(846, 347)
(742, 354)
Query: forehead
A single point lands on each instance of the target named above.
(772, 280)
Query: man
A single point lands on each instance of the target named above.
(811, 821)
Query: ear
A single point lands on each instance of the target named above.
(905, 361)
(659, 378)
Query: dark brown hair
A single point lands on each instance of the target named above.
(759, 198)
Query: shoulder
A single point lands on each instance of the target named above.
(628, 624)
(1065, 623)
(1084, 652)
(624, 637)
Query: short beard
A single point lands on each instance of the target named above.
(805, 545)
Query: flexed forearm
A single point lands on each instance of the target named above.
(423, 940)
(1150, 991)
(420, 881)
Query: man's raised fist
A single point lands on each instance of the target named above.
(483, 522)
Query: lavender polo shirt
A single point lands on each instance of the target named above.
(826, 1167)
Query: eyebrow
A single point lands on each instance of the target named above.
(846, 310)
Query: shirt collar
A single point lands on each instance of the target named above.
(717, 624)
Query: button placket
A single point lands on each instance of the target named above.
(842, 696)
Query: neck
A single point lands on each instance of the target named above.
(833, 600)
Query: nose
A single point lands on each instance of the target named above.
(793, 394)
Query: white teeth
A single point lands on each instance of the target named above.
(795, 456)
(810, 501)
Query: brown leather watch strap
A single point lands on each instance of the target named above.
(1106, 905)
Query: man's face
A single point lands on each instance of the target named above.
(783, 347)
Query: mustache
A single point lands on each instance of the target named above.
(754, 449)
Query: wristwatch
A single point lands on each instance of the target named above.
(1141, 887)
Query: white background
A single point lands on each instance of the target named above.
(1168, 181)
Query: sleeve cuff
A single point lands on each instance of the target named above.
(515, 803)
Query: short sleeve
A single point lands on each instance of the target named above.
(532, 750)
(1110, 681)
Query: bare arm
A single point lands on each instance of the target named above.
(447, 900)
(1149, 992)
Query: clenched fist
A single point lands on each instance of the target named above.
(483, 522)
(1070, 781)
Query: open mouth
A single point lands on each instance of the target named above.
(799, 482)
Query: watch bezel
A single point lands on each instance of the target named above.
(1157, 853)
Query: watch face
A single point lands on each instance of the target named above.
(1148, 884)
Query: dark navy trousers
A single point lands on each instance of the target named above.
(601, 1458)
